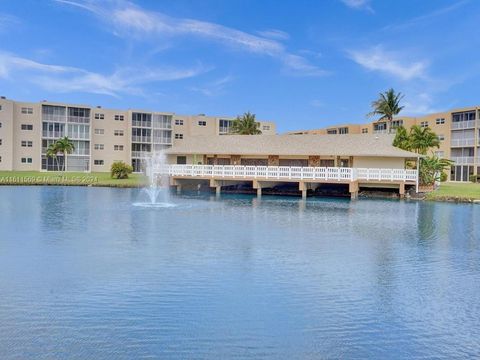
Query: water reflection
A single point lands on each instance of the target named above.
(85, 274)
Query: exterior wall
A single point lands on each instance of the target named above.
(379, 162)
(459, 142)
(103, 145)
(110, 147)
(314, 160)
(6, 134)
(27, 158)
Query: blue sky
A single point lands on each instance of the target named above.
(304, 64)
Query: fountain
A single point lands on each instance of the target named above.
(158, 182)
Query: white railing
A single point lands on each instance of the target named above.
(462, 160)
(141, 154)
(462, 142)
(463, 124)
(290, 172)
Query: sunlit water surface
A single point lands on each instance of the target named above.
(90, 273)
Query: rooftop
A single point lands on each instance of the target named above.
(288, 145)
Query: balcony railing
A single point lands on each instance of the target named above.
(462, 160)
(290, 173)
(462, 142)
(142, 139)
(140, 154)
(469, 124)
(79, 119)
(53, 134)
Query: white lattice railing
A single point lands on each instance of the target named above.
(289, 172)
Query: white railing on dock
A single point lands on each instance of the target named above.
(290, 172)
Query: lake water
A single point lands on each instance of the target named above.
(86, 274)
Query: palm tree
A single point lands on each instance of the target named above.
(65, 146)
(402, 139)
(431, 168)
(246, 125)
(52, 152)
(422, 139)
(387, 106)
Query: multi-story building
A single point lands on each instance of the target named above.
(100, 136)
(457, 129)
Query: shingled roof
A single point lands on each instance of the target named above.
(290, 145)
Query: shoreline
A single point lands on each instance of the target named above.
(372, 195)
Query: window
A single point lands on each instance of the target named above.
(181, 160)
(0, 141)
(365, 131)
(266, 127)
(440, 121)
(27, 127)
(118, 147)
(178, 136)
(26, 160)
(441, 137)
(98, 162)
(27, 143)
(118, 133)
(0, 125)
(99, 116)
(27, 110)
(119, 118)
(178, 122)
(99, 146)
(99, 131)
(0, 107)
(332, 131)
(343, 130)
(424, 124)
(202, 123)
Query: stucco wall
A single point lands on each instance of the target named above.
(379, 162)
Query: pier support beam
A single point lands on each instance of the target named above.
(179, 189)
(218, 190)
(303, 187)
(353, 189)
(401, 190)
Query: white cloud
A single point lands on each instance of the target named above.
(215, 87)
(274, 34)
(317, 103)
(59, 78)
(129, 20)
(390, 63)
(358, 4)
(419, 104)
(8, 21)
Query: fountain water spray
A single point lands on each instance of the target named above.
(158, 180)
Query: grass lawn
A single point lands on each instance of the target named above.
(68, 178)
(456, 190)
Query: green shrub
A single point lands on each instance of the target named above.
(443, 177)
(120, 170)
(475, 178)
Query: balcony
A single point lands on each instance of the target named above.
(143, 124)
(294, 173)
(383, 131)
(462, 160)
(53, 134)
(141, 154)
(462, 142)
(54, 118)
(142, 139)
(79, 119)
(470, 124)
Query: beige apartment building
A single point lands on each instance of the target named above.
(101, 136)
(458, 130)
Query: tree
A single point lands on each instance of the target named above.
(422, 139)
(64, 146)
(246, 125)
(431, 168)
(120, 170)
(402, 139)
(52, 152)
(387, 106)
